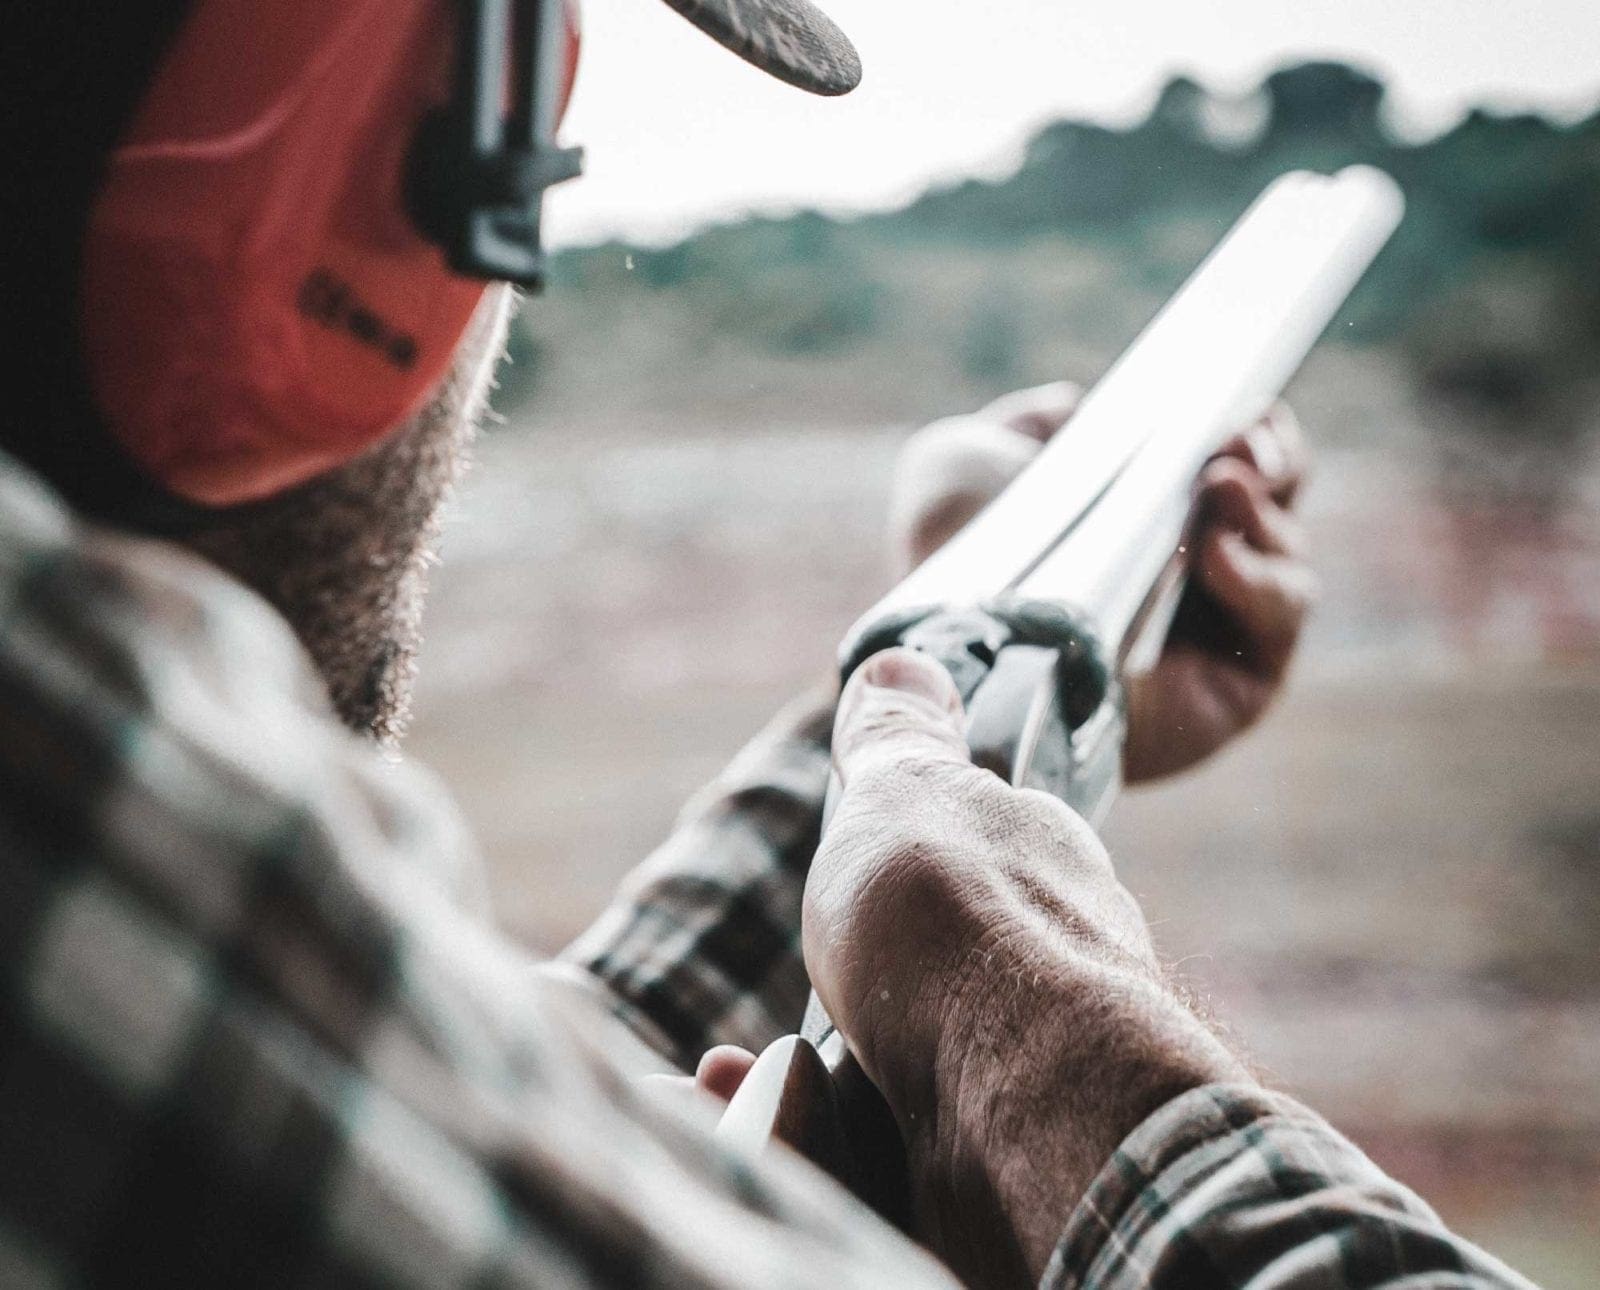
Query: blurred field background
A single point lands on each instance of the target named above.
(1392, 892)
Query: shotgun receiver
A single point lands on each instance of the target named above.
(1065, 585)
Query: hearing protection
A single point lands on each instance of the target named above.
(301, 220)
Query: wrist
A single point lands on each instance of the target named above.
(1040, 1070)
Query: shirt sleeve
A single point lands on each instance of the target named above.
(702, 944)
(1231, 1186)
(251, 1033)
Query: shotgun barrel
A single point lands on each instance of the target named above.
(1209, 363)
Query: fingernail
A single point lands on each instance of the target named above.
(910, 672)
(1268, 454)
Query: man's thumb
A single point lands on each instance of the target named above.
(899, 705)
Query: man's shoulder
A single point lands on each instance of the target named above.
(157, 714)
(116, 653)
(211, 898)
(149, 600)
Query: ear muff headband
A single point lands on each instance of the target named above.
(295, 233)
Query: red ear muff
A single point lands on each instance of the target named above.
(259, 303)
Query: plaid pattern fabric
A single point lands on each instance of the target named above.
(702, 945)
(1235, 1186)
(256, 1030)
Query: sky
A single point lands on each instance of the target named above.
(679, 132)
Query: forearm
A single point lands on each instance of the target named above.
(1051, 1041)
(1001, 989)
(1072, 1090)
(1062, 1085)
(1105, 1049)
(701, 944)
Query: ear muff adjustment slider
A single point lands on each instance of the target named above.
(480, 166)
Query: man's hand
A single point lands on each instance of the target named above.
(1235, 632)
(991, 974)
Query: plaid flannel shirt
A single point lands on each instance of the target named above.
(255, 1028)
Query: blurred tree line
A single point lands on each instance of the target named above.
(1489, 294)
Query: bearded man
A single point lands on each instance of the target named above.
(257, 1026)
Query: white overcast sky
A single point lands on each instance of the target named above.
(679, 132)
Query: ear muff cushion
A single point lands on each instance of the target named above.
(255, 305)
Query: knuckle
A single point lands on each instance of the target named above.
(1308, 589)
(1232, 489)
(897, 855)
(961, 454)
(1293, 584)
(1037, 411)
(1290, 533)
(937, 433)
(905, 778)
(1062, 832)
(906, 800)
(1286, 423)
(900, 735)
(1216, 475)
(1282, 420)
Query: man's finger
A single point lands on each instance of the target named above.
(947, 473)
(1234, 496)
(899, 706)
(1282, 427)
(1276, 447)
(722, 1069)
(1038, 412)
(961, 455)
(1270, 595)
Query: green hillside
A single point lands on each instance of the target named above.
(1489, 294)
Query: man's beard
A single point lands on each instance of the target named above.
(345, 557)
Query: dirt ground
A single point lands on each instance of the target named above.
(1390, 894)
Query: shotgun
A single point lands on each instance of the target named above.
(1061, 589)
